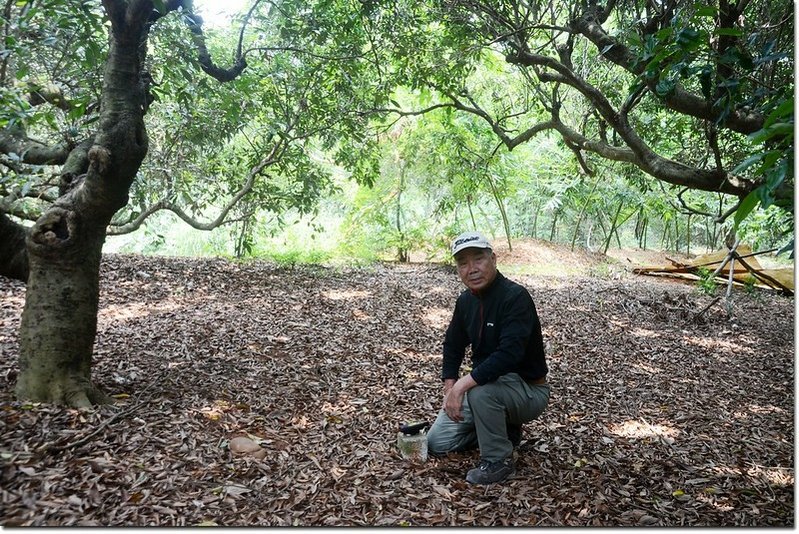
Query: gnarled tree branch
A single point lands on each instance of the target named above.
(31, 151)
(681, 100)
(644, 157)
(221, 219)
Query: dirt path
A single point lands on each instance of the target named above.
(656, 418)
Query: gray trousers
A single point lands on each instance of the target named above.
(486, 411)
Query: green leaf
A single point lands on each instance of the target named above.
(764, 134)
(777, 175)
(687, 37)
(665, 87)
(748, 162)
(734, 32)
(745, 208)
(784, 109)
(764, 196)
(664, 34)
(160, 6)
(770, 57)
(706, 11)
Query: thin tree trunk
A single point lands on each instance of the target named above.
(502, 211)
(553, 230)
(600, 216)
(716, 235)
(639, 221)
(729, 284)
(646, 232)
(243, 239)
(613, 228)
(471, 213)
(535, 219)
(581, 214)
(641, 228)
(487, 219)
(619, 225)
(688, 237)
(402, 250)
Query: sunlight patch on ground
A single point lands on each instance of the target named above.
(777, 476)
(345, 408)
(642, 332)
(300, 421)
(437, 317)
(338, 294)
(14, 300)
(647, 368)
(641, 429)
(439, 291)
(217, 410)
(123, 312)
(407, 353)
(625, 325)
(720, 345)
(532, 280)
(756, 408)
(360, 315)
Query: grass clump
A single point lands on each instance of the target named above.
(706, 283)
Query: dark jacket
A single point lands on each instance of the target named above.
(503, 328)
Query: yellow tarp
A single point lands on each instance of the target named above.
(781, 279)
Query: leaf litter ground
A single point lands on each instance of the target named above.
(659, 416)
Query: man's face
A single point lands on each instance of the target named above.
(477, 267)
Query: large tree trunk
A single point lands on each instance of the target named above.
(59, 321)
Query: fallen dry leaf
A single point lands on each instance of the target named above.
(320, 366)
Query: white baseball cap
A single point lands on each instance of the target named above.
(470, 240)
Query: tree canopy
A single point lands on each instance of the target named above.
(699, 96)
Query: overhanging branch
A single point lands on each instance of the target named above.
(166, 205)
(680, 100)
(644, 157)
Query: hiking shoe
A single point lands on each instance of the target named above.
(515, 434)
(491, 472)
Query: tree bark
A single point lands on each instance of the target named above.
(60, 255)
(59, 321)
(64, 247)
(13, 255)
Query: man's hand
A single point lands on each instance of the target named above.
(453, 396)
(448, 383)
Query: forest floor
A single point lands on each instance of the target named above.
(661, 414)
